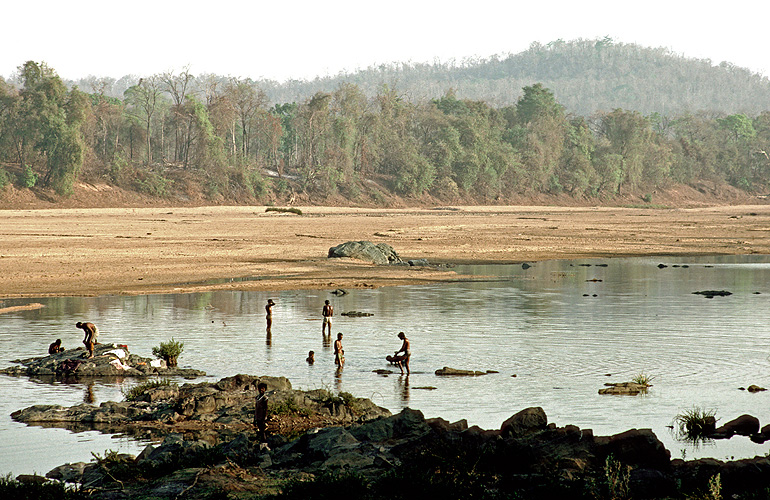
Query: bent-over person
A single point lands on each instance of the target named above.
(91, 334)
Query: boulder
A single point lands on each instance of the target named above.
(330, 441)
(745, 425)
(381, 253)
(524, 422)
(638, 447)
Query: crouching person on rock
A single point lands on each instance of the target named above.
(260, 414)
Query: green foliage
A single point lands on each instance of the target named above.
(170, 349)
(642, 379)
(694, 424)
(51, 490)
(288, 408)
(5, 178)
(28, 177)
(151, 183)
(134, 393)
(616, 477)
(331, 485)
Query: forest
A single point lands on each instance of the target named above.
(171, 133)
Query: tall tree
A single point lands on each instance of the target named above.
(143, 100)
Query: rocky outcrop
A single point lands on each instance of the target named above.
(526, 458)
(214, 410)
(381, 253)
(110, 360)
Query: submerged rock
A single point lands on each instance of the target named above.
(446, 371)
(624, 388)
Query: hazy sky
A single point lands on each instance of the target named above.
(303, 39)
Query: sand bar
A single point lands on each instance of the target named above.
(77, 252)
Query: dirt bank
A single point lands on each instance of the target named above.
(159, 250)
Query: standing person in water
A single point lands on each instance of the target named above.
(269, 314)
(339, 352)
(91, 334)
(327, 312)
(403, 360)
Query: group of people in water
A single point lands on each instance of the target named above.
(400, 358)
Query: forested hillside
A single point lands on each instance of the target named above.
(586, 76)
(469, 135)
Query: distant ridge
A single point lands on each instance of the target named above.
(585, 75)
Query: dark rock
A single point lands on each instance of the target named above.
(745, 425)
(525, 266)
(755, 388)
(710, 294)
(651, 483)
(339, 292)
(662, 266)
(418, 262)
(524, 422)
(381, 253)
(638, 447)
(446, 371)
(357, 314)
(68, 473)
(330, 441)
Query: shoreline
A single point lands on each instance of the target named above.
(138, 251)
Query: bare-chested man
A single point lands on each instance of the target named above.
(91, 334)
(339, 352)
(403, 359)
(327, 312)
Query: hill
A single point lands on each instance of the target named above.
(586, 76)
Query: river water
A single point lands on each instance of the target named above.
(563, 328)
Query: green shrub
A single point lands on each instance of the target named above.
(642, 379)
(51, 490)
(28, 178)
(168, 351)
(287, 408)
(136, 392)
(4, 178)
(695, 424)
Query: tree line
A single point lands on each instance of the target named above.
(343, 143)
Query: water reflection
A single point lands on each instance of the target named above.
(555, 325)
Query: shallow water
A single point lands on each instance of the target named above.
(564, 329)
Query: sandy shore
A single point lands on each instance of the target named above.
(161, 250)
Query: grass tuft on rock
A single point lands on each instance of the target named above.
(695, 423)
(134, 393)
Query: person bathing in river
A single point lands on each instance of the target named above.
(339, 352)
(327, 312)
(269, 313)
(55, 348)
(403, 359)
(91, 334)
(310, 357)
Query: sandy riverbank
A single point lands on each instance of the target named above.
(161, 250)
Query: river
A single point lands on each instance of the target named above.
(554, 333)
